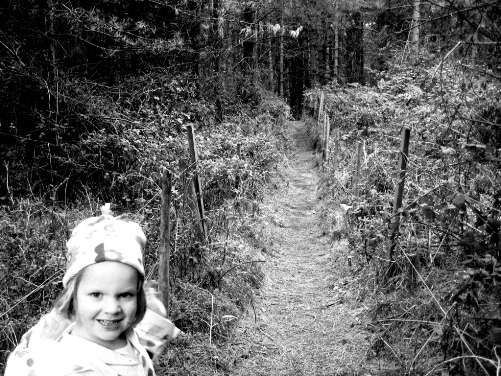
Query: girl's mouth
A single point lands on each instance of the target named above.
(109, 323)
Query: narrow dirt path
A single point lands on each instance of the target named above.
(306, 319)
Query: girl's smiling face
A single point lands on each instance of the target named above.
(106, 303)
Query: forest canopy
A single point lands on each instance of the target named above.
(72, 69)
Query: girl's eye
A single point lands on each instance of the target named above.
(127, 295)
(95, 294)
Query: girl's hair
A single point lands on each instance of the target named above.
(65, 304)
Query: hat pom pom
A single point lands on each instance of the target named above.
(105, 209)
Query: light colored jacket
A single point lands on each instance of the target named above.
(48, 349)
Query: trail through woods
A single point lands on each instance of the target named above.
(308, 318)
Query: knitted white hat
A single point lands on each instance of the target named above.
(104, 238)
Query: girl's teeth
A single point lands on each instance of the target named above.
(108, 322)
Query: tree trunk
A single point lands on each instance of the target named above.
(229, 62)
(336, 42)
(474, 48)
(249, 41)
(270, 62)
(321, 54)
(325, 52)
(313, 58)
(416, 19)
(53, 71)
(255, 55)
(355, 50)
(281, 54)
(195, 41)
(218, 33)
(479, 23)
(296, 87)
(306, 61)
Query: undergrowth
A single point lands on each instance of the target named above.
(212, 277)
(435, 301)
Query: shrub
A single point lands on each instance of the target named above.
(447, 248)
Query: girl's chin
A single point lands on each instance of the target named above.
(112, 342)
(109, 335)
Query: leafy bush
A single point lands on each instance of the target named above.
(448, 245)
(32, 261)
(119, 159)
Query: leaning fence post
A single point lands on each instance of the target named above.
(196, 178)
(316, 107)
(320, 107)
(357, 168)
(326, 137)
(238, 179)
(320, 129)
(320, 113)
(239, 150)
(189, 193)
(399, 192)
(322, 137)
(164, 259)
(336, 148)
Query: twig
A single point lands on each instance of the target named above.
(438, 249)
(408, 321)
(481, 121)
(477, 358)
(463, 357)
(424, 345)
(380, 337)
(45, 283)
(236, 266)
(393, 351)
(445, 57)
(498, 368)
(483, 71)
(211, 314)
(267, 335)
(253, 309)
(425, 284)
(331, 304)
(9, 190)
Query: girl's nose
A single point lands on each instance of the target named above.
(112, 305)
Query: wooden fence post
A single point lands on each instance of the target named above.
(189, 193)
(238, 180)
(326, 136)
(239, 150)
(320, 127)
(164, 259)
(336, 148)
(322, 137)
(357, 168)
(196, 179)
(316, 107)
(320, 107)
(320, 110)
(399, 192)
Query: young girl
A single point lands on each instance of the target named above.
(100, 324)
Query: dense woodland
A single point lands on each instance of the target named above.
(95, 99)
